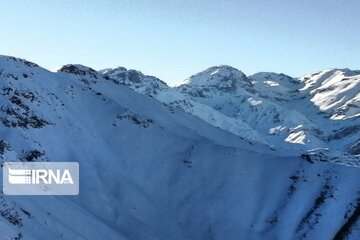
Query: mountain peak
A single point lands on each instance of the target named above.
(78, 69)
(121, 73)
(222, 77)
(223, 67)
(136, 80)
(9, 61)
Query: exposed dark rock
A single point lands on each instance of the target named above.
(344, 132)
(346, 229)
(79, 70)
(33, 155)
(355, 148)
(4, 146)
(139, 120)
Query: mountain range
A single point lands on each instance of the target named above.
(318, 111)
(221, 156)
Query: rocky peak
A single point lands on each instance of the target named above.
(136, 80)
(78, 69)
(223, 78)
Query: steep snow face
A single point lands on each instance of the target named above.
(334, 96)
(335, 91)
(217, 119)
(150, 171)
(144, 84)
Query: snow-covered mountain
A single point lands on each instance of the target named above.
(320, 110)
(149, 170)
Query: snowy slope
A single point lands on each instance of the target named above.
(58, 116)
(149, 170)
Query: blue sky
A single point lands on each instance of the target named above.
(175, 39)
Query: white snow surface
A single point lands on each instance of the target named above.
(204, 162)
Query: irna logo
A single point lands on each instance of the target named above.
(37, 176)
(41, 178)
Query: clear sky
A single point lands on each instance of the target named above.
(173, 39)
